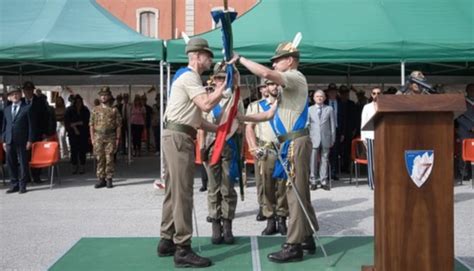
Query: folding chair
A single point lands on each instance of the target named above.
(45, 154)
(359, 157)
(468, 156)
(248, 159)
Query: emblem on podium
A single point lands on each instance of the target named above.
(419, 164)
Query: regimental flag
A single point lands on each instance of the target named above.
(227, 122)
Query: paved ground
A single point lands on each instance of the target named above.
(40, 226)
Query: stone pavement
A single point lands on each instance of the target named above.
(40, 226)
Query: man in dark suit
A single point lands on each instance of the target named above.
(39, 120)
(334, 102)
(17, 136)
(348, 110)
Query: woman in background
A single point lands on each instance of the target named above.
(137, 120)
(76, 120)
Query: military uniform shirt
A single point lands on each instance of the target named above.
(181, 108)
(105, 120)
(293, 98)
(263, 130)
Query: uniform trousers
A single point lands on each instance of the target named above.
(104, 150)
(298, 225)
(178, 160)
(221, 196)
(274, 191)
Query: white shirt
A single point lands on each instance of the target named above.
(367, 113)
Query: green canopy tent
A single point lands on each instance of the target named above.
(356, 37)
(73, 40)
(71, 37)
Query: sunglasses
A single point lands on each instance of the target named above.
(375, 93)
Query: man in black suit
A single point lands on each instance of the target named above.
(17, 136)
(39, 120)
(334, 101)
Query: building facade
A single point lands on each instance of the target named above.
(166, 19)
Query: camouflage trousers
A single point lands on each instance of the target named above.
(104, 150)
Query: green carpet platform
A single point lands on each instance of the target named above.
(248, 253)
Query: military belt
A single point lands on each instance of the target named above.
(265, 144)
(105, 131)
(293, 135)
(183, 128)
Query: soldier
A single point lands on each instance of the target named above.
(187, 100)
(221, 197)
(261, 139)
(292, 132)
(412, 87)
(105, 126)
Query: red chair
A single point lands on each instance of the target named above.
(45, 154)
(248, 159)
(198, 159)
(468, 156)
(359, 157)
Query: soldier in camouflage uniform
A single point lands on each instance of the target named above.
(105, 126)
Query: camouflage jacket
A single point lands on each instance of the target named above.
(105, 121)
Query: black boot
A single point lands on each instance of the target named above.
(282, 229)
(288, 253)
(228, 236)
(101, 183)
(185, 257)
(308, 245)
(109, 183)
(216, 231)
(166, 248)
(271, 226)
(260, 216)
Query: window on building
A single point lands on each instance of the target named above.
(148, 24)
(214, 25)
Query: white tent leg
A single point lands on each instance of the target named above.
(403, 73)
(161, 119)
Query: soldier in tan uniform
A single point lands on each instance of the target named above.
(187, 100)
(261, 137)
(291, 121)
(221, 197)
(105, 123)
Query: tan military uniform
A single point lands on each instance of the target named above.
(293, 102)
(178, 157)
(273, 192)
(105, 120)
(221, 196)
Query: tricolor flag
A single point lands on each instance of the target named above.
(227, 124)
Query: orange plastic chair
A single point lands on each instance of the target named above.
(198, 159)
(358, 156)
(468, 156)
(248, 159)
(45, 154)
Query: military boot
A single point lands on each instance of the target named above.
(216, 231)
(288, 253)
(271, 226)
(101, 183)
(166, 247)
(185, 257)
(109, 183)
(260, 216)
(308, 245)
(282, 229)
(228, 236)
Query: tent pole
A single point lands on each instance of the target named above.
(129, 139)
(168, 79)
(403, 73)
(161, 120)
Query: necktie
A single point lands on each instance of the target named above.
(320, 111)
(15, 109)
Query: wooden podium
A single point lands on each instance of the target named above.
(414, 225)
